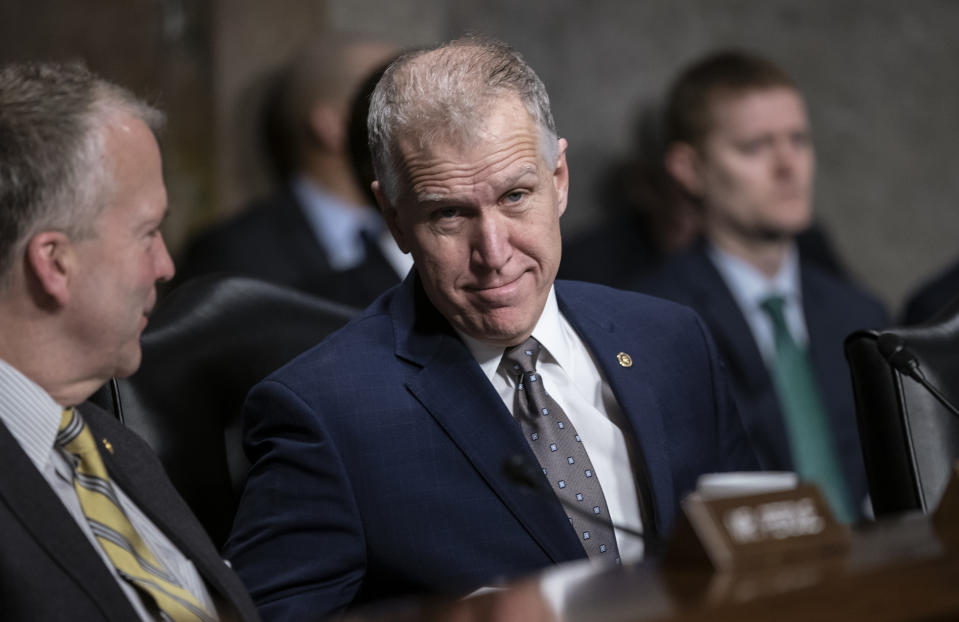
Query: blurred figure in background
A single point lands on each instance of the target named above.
(648, 217)
(739, 144)
(319, 231)
(932, 296)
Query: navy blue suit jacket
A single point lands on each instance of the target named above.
(832, 307)
(378, 456)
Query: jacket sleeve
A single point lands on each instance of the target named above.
(735, 451)
(297, 540)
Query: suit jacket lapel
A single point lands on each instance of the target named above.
(722, 314)
(453, 389)
(145, 483)
(826, 336)
(28, 496)
(606, 338)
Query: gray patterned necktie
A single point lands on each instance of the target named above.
(560, 452)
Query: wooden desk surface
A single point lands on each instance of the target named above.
(895, 570)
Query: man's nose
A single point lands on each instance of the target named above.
(786, 158)
(491, 243)
(163, 263)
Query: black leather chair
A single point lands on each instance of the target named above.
(906, 385)
(209, 341)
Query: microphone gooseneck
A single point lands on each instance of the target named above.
(893, 348)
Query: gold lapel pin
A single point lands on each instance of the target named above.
(107, 445)
(624, 359)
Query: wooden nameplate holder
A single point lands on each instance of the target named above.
(730, 548)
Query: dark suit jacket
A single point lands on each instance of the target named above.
(621, 254)
(833, 308)
(272, 240)
(933, 296)
(48, 568)
(378, 456)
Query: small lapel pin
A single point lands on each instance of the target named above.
(107, 445)
(624, 359)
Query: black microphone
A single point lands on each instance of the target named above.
(519, 471)
(893, 348)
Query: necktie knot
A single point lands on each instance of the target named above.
(522, 359)
(70, 435)
(774, 306)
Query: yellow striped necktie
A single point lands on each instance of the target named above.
(114, 531)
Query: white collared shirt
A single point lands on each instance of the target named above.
(750, 288)
(33, 418)
(574, 380)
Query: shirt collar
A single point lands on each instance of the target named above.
(30, 414)
(750, 286)
(548, 331)
(336, 223)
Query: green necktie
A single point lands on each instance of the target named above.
(810, 439)
(114, 531)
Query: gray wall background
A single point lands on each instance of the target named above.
(880, 77)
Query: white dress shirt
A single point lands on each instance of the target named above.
(574, 380)
(33, 418)
(750, 288)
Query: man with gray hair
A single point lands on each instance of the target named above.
(478, 422)
(90, 527)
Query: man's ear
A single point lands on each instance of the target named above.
(683, 163)
(50, 258)
(561, 176)
(390, 216)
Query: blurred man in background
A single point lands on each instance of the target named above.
(740, 145)
(317, 232)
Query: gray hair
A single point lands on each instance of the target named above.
(52, 175)
(444, 92)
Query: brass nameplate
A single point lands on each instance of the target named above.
(756, 531)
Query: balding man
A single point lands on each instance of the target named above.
(477, 423)
(90, 527)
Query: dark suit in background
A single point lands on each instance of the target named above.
(49, 569)
(273, 240)
(832, 307)
(287, 237)
(932, 296)
(378, 456)
(620, 254)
